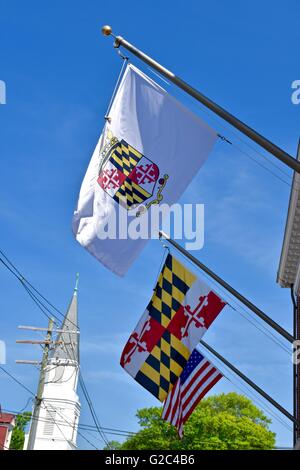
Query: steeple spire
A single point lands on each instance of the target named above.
(68, 341)
(60, 390)
(76, 284)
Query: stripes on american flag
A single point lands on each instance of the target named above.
(196, 379)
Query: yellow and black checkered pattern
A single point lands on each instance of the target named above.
(124, 157)
(167, 359)
(163, 366)
(131, 193)
(171, 288)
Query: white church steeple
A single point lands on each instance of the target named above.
(60, 408)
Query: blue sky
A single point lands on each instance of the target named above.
(60, 73)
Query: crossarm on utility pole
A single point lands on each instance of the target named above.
(40, 390)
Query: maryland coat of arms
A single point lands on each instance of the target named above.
(128, 176)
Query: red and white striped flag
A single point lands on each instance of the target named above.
(196, 379)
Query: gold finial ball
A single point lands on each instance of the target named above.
(106, 30)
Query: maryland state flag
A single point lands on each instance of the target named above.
(181, 310)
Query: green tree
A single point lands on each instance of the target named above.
(113, 445)
(220, 422)
(18, 434)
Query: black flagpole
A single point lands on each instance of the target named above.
(295, 314)
(230, 289)
(242, 127)
(249, 382)
(296, 367)
(297, 373)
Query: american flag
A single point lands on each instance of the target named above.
(196, 379)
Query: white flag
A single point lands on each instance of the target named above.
(150, 149)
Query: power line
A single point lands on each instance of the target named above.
(109, 431)
(70, 424)
(27, 389)
(261, 404)
(122, 433)
(242, 386)
(53, 421)
(45, 310)
(218, 125)
(31, 290)
(83, 426)
(92, 410)
(17, 273)
(22, 280)
(87, 397)
(17, 381)
(257, 324)
(24, 407)
(235, 134)
(58, 380)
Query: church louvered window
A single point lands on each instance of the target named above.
(49, 422)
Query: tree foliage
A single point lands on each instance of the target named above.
(220, 422)
(113, 445)
(18, 434)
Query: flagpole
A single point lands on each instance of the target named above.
(249, 382)
(241, 126)
(297, 372)
(295, 381)
(296, 367)
(230, 289)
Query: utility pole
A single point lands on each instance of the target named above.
(46, 343)
(38, 399)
